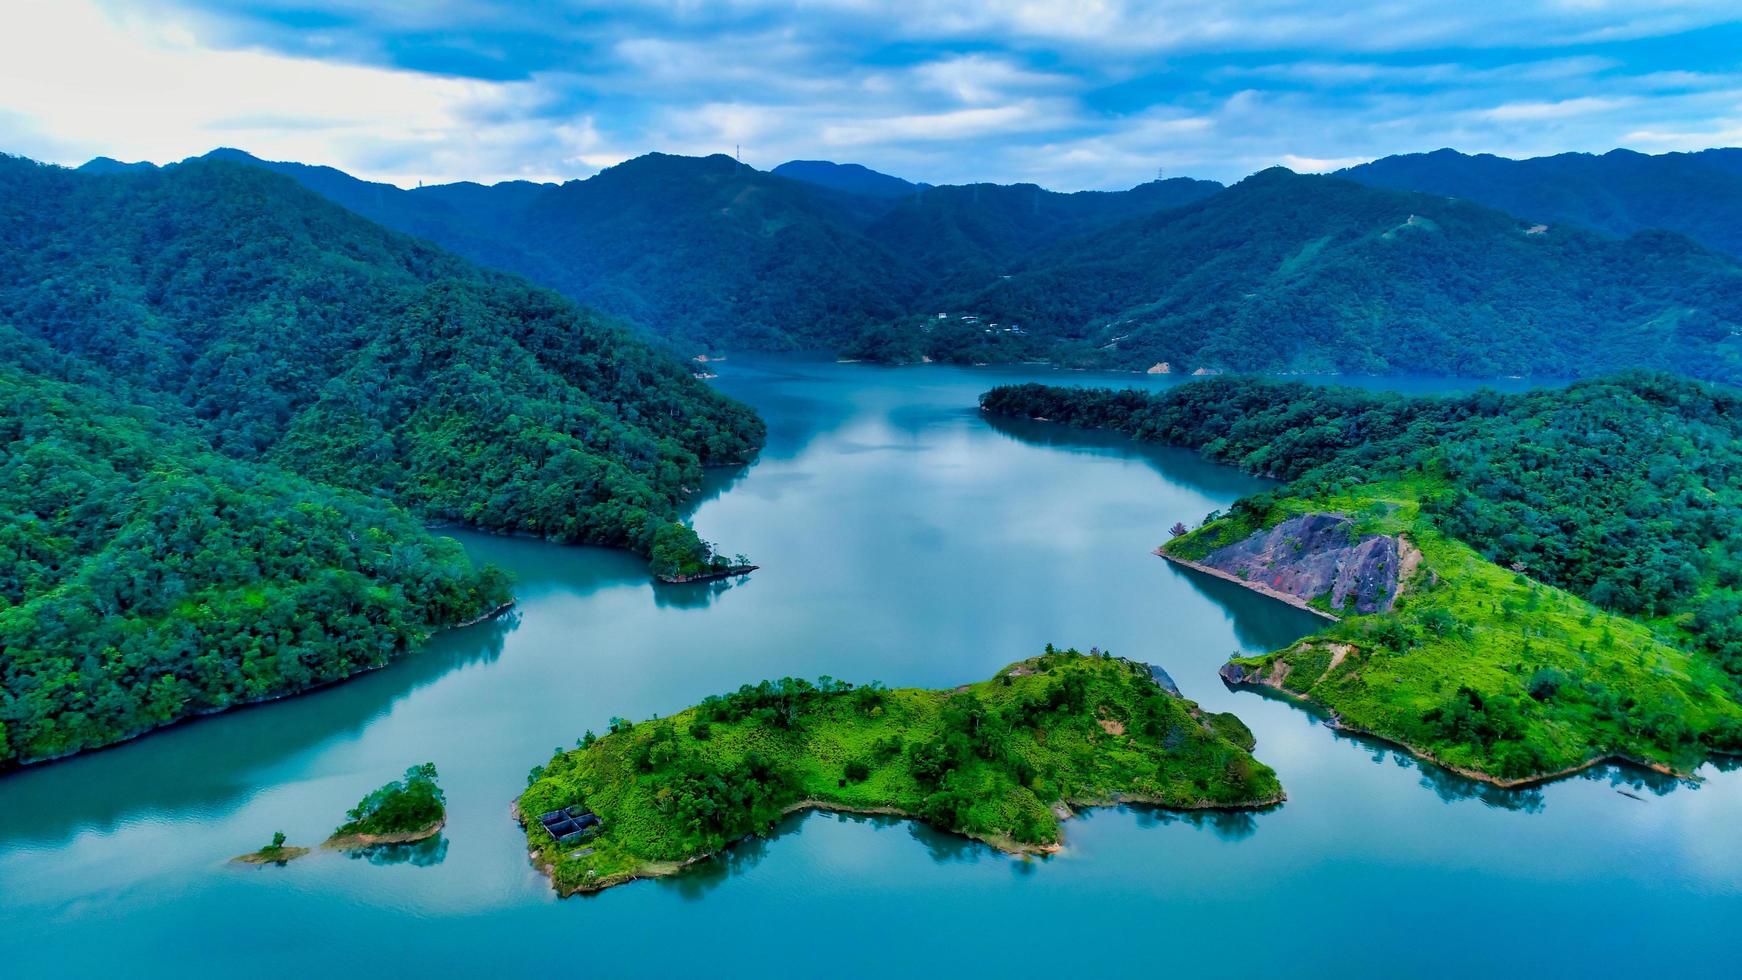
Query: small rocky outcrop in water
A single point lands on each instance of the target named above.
(1314, 555)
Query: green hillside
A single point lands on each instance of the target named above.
(1580, 585)
(1284, 272)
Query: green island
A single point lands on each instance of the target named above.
(405, 810)
(277, 852)
(1000, 761)
(1523, 585)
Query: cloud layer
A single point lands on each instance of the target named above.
(1085, 94)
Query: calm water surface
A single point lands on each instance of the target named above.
(904, 539)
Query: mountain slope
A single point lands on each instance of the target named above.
(227, 408)
(1291, 272)
(300, 333)
(1620, 192)
(146, 578)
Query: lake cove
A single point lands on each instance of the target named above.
(903, 538)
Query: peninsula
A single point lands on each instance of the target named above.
(1503, 606)
(1001, 761)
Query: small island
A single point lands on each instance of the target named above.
(277, 852)
(403, 811)
(1001, 761)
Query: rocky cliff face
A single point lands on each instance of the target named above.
(1315, 555)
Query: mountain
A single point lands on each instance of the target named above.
(231, 408)
(1620, 192)
(1307, 273)
(708, 254)
(849, 178)
(109, 165)
(966, 236)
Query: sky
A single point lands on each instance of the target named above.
(1070, 95)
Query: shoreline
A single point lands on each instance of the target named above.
(1063, 810)
(260, 701)
(1334, 722)
(353, 842)
(707, 576)
(1258, 587)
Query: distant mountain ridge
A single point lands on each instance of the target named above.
(1290, 272)
(1620, 192)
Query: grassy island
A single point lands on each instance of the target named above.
(404, 810)
(1526, 585)
(1001, 761)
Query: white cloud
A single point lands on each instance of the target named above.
(76, 84)
(1535, 111)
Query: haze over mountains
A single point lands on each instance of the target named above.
(1568, 265)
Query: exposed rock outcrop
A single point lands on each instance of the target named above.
(1317, 555)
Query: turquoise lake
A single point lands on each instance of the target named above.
(907, 539)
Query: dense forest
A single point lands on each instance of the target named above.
(990, 760)
(296, 332)
(231, 408)
(1620, 192)
(145, 577)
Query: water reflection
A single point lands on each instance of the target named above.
(1183, 467)
(1227, 825)
(419, 854)
(694, 595)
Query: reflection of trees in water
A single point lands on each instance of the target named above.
(1228, 825)
(418, 854)
(209, 763)
(695, 595)
(1181, 467)
(1260, 622)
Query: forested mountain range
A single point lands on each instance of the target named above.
(1304, 273)
(1619, 192)
(713, 255)
(1280, 272)
(231, 407)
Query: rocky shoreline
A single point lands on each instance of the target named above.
(1258, 587)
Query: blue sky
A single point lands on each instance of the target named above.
(1088, 94)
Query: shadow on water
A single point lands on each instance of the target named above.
(1180, 466)
(213, 761)
(419, 854)
(1260, 622)
(695, 595)
(1228, 825)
